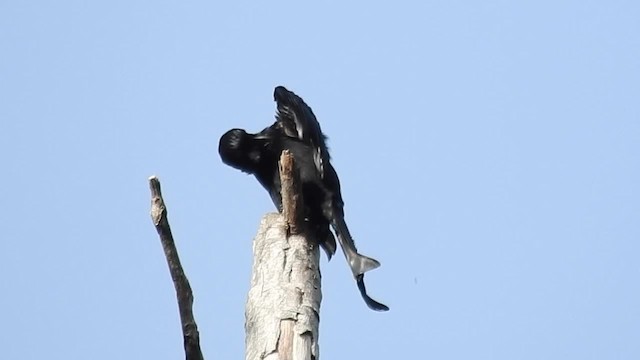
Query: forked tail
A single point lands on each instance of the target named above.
(372, 304)
(359, 264)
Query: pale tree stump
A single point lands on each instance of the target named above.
(283, 305)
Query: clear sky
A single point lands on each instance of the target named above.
(488, 151)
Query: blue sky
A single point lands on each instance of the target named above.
(488, 154)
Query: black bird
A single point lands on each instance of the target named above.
(296, 119)
(297, 130)
(259, 154)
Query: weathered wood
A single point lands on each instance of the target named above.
(283, 305)
(184, 294)
(291, 193)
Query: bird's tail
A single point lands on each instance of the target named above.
(372, 304)
(359, 264)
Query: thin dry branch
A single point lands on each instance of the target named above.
(291, 193)
(180, 281)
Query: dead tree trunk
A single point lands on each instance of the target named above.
(283, 305)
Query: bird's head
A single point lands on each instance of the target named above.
(233, 139)
(236, 149)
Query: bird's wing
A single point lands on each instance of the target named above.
(297, 120)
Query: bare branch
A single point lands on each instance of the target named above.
(180, 281)
(291, 193)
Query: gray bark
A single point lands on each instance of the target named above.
(283, 305)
